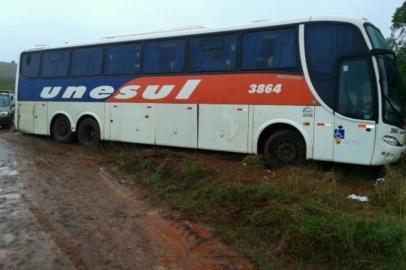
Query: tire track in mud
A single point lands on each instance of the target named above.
(84, 215)
(98, 223)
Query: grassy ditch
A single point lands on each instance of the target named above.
(294, 218)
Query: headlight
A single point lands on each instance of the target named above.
(391, 140)
(3, 113)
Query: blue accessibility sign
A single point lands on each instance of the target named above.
(339, 133)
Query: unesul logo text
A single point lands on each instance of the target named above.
(151, 92)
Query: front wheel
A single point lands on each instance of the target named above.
(285, 148)
(89, 133)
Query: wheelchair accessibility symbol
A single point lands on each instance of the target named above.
(339, 134)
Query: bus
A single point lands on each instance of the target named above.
(315, 89)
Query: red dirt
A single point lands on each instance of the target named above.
(71, 214)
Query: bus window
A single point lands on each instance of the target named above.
(213, 53)
(326, 43)
(164, 56)
(377, 39)
(55, 64)
(86, 62)
(122, 59)
(355, 92)
(30, 65)
(274, 49)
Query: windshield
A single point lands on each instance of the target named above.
(4, 101)
(377, 39)
(392, 91)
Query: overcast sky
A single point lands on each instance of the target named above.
(24, 24)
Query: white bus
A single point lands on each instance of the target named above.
(322, 89)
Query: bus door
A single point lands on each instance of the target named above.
(354, 127)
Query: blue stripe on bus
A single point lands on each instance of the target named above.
(30, 90)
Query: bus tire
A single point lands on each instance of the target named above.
(285, 148)
(61, 129)
(89, 133)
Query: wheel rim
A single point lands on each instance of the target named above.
(286, 152)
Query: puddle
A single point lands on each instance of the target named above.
(5, 171)
(11, 196)
(8, 238)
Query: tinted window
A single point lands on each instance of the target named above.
(30, 65)
(355, 93)
(164, 56)
(122, 59)
(325, 44)
(377, 39)
(4, 100)
(86, 61)
(270, 49)
(393, 93)
(55, 63)
(213, 53)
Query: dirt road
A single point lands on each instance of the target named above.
(60, 209)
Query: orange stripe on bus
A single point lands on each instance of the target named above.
(255, 89)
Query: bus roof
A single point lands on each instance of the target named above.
(196, 30)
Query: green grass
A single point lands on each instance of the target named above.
(7, 84)
(305, 223)
(392, 194)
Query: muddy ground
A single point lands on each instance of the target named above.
(60, 209)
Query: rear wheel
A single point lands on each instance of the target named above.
(285, 148)
(89, 133)
(61, 129)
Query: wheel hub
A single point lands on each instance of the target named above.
(286, 152)
(62, 129)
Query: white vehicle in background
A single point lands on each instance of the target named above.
(322, 89)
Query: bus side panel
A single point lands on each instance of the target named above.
(176, 125)
(323, 134)
(299, 117)
(114, 124)
(132, 122)
(224, 127)
(41, 118)
(25, 117)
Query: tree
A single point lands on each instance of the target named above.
(398, 39)
(399, 18)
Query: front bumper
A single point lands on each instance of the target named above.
(388, 154)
